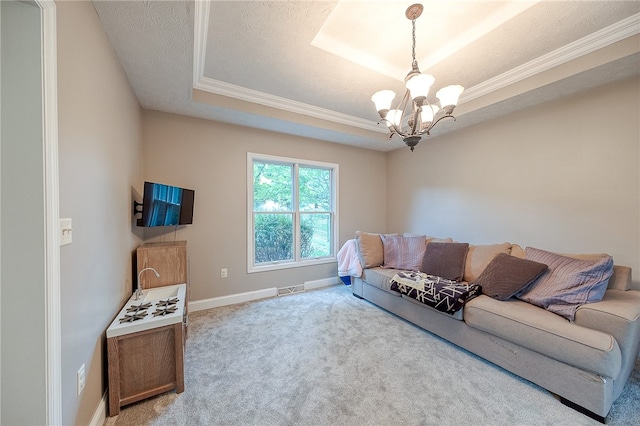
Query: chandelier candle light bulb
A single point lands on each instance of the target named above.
(449, 96)
(421, 115)
(419, 85)
(383, 99)
(394, 117)
(428, 112)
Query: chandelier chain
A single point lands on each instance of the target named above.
(413, 45)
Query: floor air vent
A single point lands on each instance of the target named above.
(283, 291)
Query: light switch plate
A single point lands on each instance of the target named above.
(80, 376)
(66, 231)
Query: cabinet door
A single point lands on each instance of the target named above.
(144, 364)
(170, 260)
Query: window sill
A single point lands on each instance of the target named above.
(289, 265)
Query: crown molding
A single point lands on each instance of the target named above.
(200, 29)
(602, 38)
(616, 32)
(249, 95)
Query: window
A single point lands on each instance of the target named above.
(292, 217)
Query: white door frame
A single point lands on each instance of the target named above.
(52, 212)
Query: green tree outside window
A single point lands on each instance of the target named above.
(292, 202)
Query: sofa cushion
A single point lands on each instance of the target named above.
(445, 260)
(568, 283)
(505, 275)
(403, 252)
(438, 240)
(517, 251)
(370, 249)
(479, 257)
(380, 277)
(546, 333)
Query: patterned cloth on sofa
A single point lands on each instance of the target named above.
(439, 293)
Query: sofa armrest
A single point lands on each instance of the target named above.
(621, 278)
(618, 314)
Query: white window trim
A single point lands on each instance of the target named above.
(251, 267)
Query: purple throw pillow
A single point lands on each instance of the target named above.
(506, 275)
(445, 260)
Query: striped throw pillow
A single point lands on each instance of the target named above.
(568, 283)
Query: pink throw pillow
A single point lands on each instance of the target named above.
(404, 253)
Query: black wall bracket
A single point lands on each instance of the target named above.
(137, 208)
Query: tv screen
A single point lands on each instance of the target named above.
(165, 205)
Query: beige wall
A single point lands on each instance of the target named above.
(211, 158)
(23, 381)
(100, 151)
(563, 176)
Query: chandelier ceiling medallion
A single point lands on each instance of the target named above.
(412, 120)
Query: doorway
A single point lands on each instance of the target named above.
(29, 255)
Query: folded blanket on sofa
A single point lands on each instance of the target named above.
(439, 293)
(348, 260)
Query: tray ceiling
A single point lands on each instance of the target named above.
(309, 68)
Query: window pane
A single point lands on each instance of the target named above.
(315, 189)
(272, 187)
(315, 235)
(273, 237)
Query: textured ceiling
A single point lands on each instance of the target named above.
(309, 68)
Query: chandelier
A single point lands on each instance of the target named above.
(412, 120)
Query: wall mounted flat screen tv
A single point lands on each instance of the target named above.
(165, 205)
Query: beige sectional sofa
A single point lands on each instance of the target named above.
(586, 362)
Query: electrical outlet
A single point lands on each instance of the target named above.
(223, 273)
(81, 379)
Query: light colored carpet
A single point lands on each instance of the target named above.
(325, 357)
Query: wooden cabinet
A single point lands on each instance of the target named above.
(169, 259)
(149, 362)
(144, 364)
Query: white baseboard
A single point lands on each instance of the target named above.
(100, 414)
(325, 282)
(216, 302)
